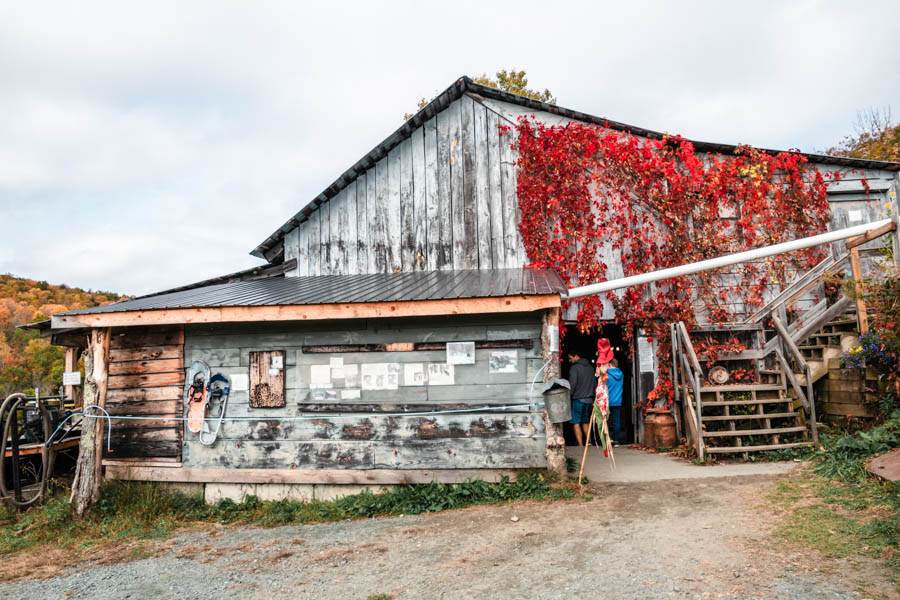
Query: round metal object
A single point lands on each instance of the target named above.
(558, 405)
(719, 375)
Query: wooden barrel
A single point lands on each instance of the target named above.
(659, 429)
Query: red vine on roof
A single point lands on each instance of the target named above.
(589, 195)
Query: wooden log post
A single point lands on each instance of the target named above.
(88, 470)
(556, 442)
(861, 315)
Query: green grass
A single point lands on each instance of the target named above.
(140, 511)
(837, 507)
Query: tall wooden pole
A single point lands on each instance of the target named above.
(861, 315)
(88, 471)
(556, 442)
(71, 364)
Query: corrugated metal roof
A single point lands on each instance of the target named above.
(463, 85)
(342, 289)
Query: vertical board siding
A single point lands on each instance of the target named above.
(394, 256)
(432, 210)
(482, 190)
(510, 200)
(498, 224)
(352, 230)
(407, 208)
(469, 257)
(314, 250)
(379, 228)
(445, 131)
(372, 221)
(419, 225)
(325, 239)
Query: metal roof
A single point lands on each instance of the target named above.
(343, 289)
(463, 85)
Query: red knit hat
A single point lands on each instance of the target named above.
(604, 352)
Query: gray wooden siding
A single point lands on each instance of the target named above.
(443, 199)
(370, 432)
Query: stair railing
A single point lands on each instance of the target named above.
(685, 358)
(806, 398)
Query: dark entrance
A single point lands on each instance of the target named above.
(586, 345)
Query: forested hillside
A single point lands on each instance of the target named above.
(26, 360)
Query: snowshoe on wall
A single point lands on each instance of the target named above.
(198, 376)
(217, 388)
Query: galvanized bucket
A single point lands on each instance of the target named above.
(557, 403)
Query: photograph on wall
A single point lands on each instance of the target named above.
(351, 376)
(440, 374)
(504, 361)
(413, 374)
(460, 353)
(393, 376)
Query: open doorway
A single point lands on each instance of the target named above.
(585, 344)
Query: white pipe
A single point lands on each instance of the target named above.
(724, 261)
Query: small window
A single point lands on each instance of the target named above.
(267, 379)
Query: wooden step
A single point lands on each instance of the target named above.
(781, 415)
(746, 402)
(736, 449)
(747, 387)
(736, 432)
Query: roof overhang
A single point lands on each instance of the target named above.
(308, 312)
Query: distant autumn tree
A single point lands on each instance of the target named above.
(877, 137)
(513, 81)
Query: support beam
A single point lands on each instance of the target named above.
(861, 316)
(314, 312)
(556, 442)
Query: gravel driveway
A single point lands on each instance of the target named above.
(671, 539)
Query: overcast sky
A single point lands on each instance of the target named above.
(148, 145)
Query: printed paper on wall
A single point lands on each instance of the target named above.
(460, 353)
(504, 361)
(440, 374)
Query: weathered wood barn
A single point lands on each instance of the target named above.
(347, 335)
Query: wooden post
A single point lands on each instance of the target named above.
(556, 442)
(88, 470)
(71, 364)
(862, 317)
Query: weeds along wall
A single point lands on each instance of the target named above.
(358, 378)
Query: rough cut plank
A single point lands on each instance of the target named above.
(302, 269)
(465, 253)
(147, 408)
(394, 255)
(144, 337)
(482, 189)
(407, 209)
(362, 226)
(312, 226)
(307, 476)
(380, 243)
(420, 244)
(326, 258)
(461, 453)
(280, 455)
(337, 233)
(171, 422)
(118, 382)
(432, 196)
(147, 353)
(448, 140)
(455, 242)
(141, 449)
(401, 407)
(510, 202)
(126, 435)
(498, 240)
(476, 425)
(138, 367)
(372, 219)
(352, 238)
(266, 390)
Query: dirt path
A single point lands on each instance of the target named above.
(672, 539)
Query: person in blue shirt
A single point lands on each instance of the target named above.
(614, 380)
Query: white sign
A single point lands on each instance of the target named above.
(440, 374)
(854, 216)
(413, 374)
(460, 353)
(72, 378)
(319, 376)
(504, 361)
(240, 382)
(277, 363)
(645, 355)
(553, 337)
(336, 362)
(350, 394)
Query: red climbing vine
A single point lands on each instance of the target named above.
(598, 204)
